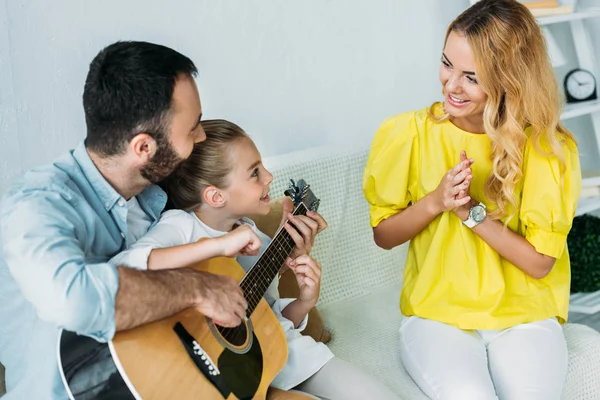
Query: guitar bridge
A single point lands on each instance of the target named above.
(202, 360)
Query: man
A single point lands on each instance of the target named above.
(62, 222)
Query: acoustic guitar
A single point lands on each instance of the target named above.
(187, 356)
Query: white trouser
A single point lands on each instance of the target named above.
(525, 362)
(340, 380)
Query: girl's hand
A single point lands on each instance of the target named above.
(301, 228)
(308, 275)
(242, 241)
(452, 192)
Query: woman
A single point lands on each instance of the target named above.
(485, 186)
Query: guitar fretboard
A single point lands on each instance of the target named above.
(261, 275)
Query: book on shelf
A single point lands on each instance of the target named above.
(540, 4)
(590, 178)
(549, 11)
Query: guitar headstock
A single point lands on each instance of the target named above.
(300, 192)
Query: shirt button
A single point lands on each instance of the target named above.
(107, 204)
(121, 203)
(122, 235)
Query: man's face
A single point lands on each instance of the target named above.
(184, 131)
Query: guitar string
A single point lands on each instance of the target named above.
(266, 271)
(259, 274)
(262, 274)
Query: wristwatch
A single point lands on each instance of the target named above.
(477, 214)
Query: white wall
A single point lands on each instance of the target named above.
(293, 74)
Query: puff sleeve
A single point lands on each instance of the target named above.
(389, 180)
(549, 197)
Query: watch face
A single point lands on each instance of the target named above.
(478, 213)
(580, 84)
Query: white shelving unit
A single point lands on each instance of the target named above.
(586, 303)
(575, 16)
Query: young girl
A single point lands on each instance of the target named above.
(221, 183)
(485, 187)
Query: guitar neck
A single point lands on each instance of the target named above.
(259, 278)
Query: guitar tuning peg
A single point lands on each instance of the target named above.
(292, 190)
(315, 205)
(305, 190)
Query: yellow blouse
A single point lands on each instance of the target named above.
(451, 274)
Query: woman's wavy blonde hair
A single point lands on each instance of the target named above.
(514, 70)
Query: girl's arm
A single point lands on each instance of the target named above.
(172, 243)
(407, 224)
(240, 241)
(308, 275)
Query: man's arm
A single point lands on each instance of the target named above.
(43, 241)
(147, 296)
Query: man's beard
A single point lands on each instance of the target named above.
(165, 161)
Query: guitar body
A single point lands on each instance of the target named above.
(154, 363)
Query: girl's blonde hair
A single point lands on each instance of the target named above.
(209, 164)
(514, 70)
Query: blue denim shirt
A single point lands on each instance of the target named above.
(59, 225)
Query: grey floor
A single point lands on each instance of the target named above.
(591, 320)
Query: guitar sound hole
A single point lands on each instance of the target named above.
(236, 336)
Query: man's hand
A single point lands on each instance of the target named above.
(220, 298)
(242, 241)
(302, 228)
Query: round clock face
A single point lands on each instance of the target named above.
(580, 84)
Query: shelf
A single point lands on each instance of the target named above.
(583, 14)
(588, 205)
(585, 303)
(579, 109)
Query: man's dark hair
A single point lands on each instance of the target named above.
(128, 90)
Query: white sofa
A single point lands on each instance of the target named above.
(361, 282)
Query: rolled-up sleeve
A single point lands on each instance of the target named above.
(550, 196)
(42, 238)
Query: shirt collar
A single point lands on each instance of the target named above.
(106, 193)
(152, 197)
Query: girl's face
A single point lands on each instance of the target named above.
(464, 99)
(249, 181)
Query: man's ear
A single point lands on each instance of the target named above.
(142, 147)
(213, 197)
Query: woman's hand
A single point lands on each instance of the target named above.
(462, 211)
(452, 192)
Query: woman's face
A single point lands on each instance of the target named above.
(464, 98)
